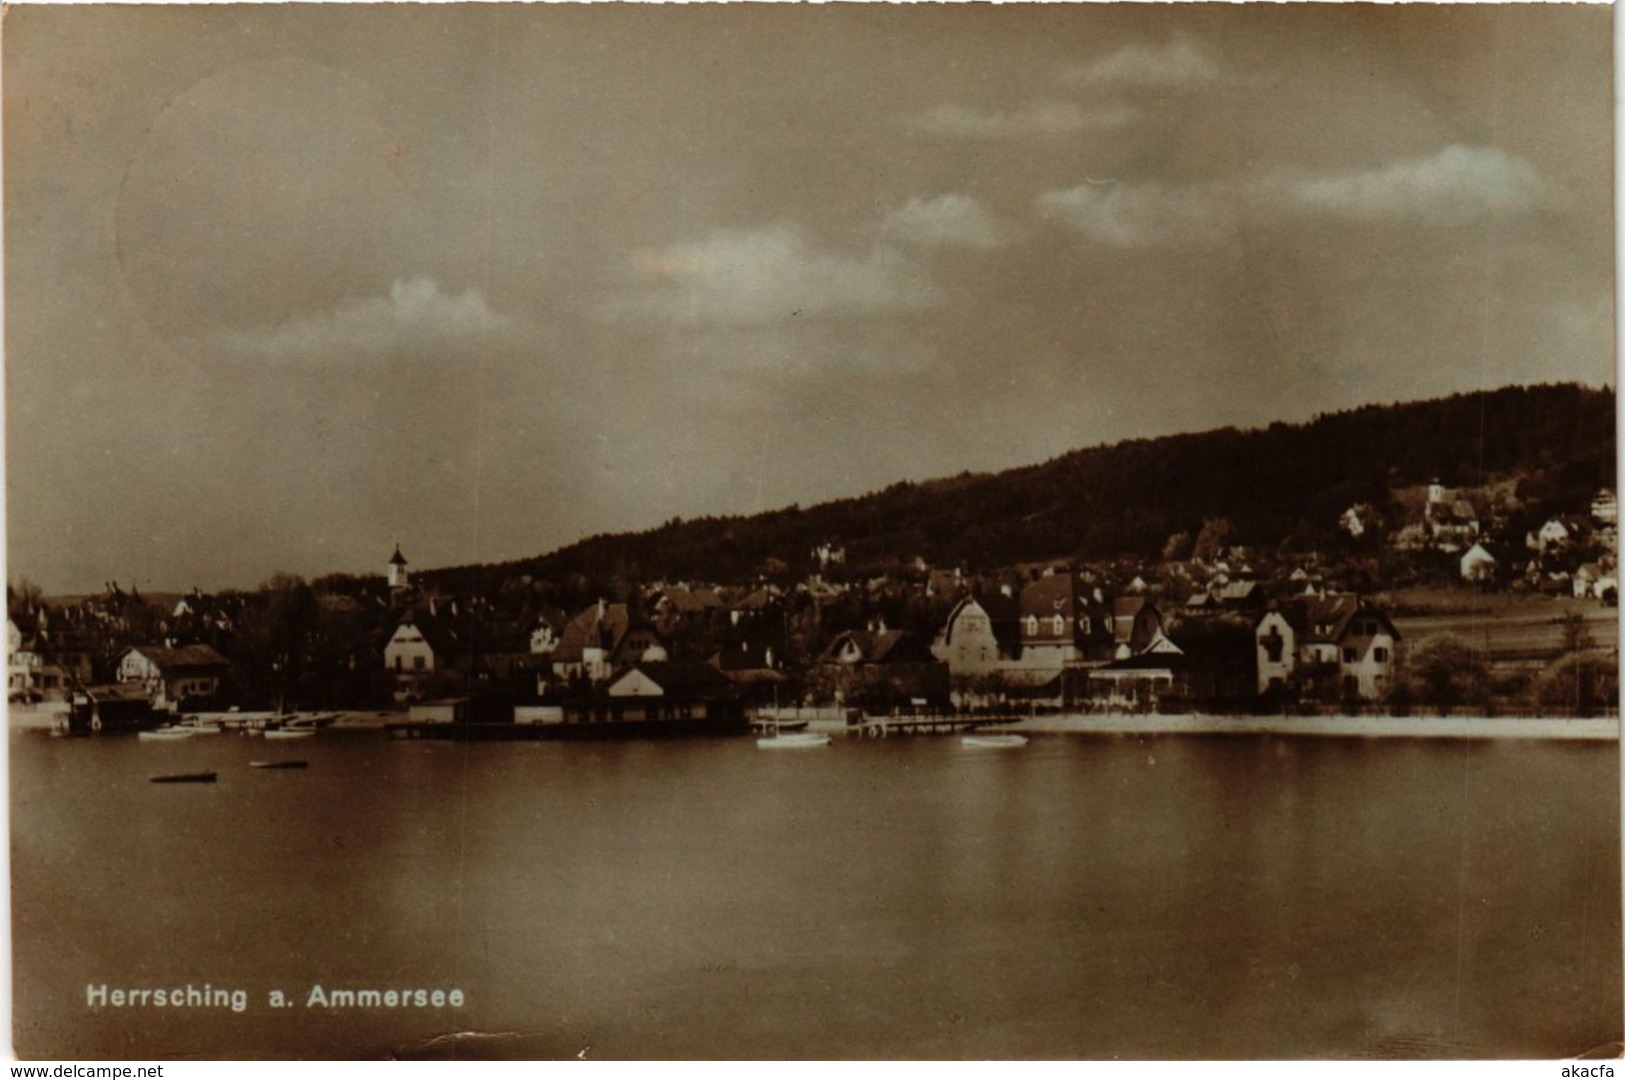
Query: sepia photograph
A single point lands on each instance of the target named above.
(811, 532)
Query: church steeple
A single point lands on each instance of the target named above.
(397, 569)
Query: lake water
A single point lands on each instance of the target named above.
(1080, 897)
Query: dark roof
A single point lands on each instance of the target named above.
(1053, 595)
(182, 659)
(397, 559)
(684, 677)
(589, 630)
(117, 692)
(1326, 619)
(879, 647)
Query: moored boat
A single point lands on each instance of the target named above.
(993, 742)
(165, 734)
(290, 733)
(796, 740)
(184, 778)
(278, 764)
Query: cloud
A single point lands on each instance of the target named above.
(1042, 117)
(1143, 214)
(742, 277)
(946, 221)
(1458, 182)
(415, 315)
(1176, 62)
(1456, 185)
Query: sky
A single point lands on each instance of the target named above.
(287, 285)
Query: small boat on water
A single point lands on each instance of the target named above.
(278, 764)
(184, 778)
(768, 727)
(290, 733)
(165, 734)
(993, 742)
(795, 740)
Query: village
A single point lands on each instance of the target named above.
(1525, 629)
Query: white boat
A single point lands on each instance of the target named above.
(993, 742)
(796, 740)
(290, 733)
(165, 734)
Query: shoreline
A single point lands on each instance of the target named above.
(1335, 727)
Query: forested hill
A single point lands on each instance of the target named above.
(1285, 483)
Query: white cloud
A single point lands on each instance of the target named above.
(415, 314)
(1458, 184)
(1143, 214)
(1176, 62)
(945, 221)
(1042, 117)
(742, 277)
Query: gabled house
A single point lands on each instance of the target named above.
(1451, 522)
(1605, 508)
(1336, 634)
(979, 636)
(878, 669)
(175, 678)
(1135, 625)
(602, 641)
(1478, 565)
(1054, 624)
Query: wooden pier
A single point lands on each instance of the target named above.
(879, 727)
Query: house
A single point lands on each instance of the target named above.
(1478, 565)
(944, 582)
(979, 636)
(603, 640)
(660, 697)
(174, 678)
(1605, 508)
(413, 647)
(1054, 626)
(544, 636)
(829, 554)
(117, 707)
(1451, 522)
(754, 670)
(1135, 626)
(1336, 634)
(1558, 533)
(1592, 580)
(878, 669)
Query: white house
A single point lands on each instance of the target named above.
(1477, 565)
(1338, 632)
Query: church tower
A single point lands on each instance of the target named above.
(397, 569)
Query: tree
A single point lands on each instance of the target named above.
(1177, 547)
(1212, 539)
(1588, 683)
(1444, 672)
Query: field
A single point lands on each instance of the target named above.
(1510, 628)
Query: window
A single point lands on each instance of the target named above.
(1032, 625)
(1349, 655)
(417, 663)
(398, 662)
(1380, 655)
(1273, 644)
(1060, 625)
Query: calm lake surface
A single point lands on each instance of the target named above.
(1080, 897)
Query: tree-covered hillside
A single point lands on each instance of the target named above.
(1283, 484)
